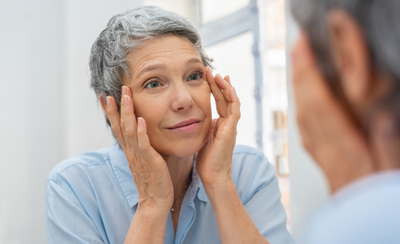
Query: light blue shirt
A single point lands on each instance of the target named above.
(92, 198)
(365, 212)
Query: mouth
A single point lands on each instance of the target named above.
(184, 125)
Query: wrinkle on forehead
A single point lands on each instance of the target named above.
(159, 51)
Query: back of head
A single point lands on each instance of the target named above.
(378, 21)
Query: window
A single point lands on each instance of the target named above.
(246, 38)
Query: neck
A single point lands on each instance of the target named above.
(382, 153)
(180, 170)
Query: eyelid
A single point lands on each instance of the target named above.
(199, 73)
(151, 80)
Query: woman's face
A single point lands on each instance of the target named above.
(170, 92)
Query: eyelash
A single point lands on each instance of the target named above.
(199, 73)
(152, 80)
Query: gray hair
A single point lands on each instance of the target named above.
(127, 31)
(378, 20)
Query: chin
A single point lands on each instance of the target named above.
(181, 149)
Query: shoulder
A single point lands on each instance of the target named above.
(246, 150)
(248, 156)
(82, 164)
(369, 210)
(251, 172)
(250, 160)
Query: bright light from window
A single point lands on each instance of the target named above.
(212, 9)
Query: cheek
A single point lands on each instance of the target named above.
(202, 99)
(151, 110)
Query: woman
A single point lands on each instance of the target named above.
(190, 184)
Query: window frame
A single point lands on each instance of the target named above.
(232, 25)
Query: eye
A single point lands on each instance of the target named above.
(195, 76)
(153, 84)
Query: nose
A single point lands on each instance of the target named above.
(182, 99)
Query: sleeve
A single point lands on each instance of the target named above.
(66, 220)
(258, 189)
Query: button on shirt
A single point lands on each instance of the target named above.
(92, 198)
(366, 212)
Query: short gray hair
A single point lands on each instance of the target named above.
(378, 20)
(129, 30)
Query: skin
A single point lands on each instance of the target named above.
(169, 84)
(331, 132)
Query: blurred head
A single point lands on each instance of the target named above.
(158, 55)
(356, 44)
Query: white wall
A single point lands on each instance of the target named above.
(185, 8)
(48, 111)
(31, 128)
(308, 187)
(85, 120)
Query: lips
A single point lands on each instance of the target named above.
(184, 124)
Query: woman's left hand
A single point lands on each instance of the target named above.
(214, 164)
(214, 160)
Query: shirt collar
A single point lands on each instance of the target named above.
(367, 183)
(124, 176)
(197, 185)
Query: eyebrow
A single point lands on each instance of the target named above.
(150, 68)
(162, 66)
(193, 61)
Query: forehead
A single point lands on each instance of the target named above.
(161, 49)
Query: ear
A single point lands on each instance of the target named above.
(351, 57)
(103, 102)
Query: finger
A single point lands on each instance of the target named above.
(212, 128)
(227, 131)
(217, 93)
(128, 118)
(230, 127)
(234, 106)
(228, 79)
(224, 86)
(143, 140)
(114, 118)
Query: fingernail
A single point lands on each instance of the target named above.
(125, 99)
(108, 100)
(140, 122)
(219, 76)
(124, 91)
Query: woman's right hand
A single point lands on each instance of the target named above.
(148, 168)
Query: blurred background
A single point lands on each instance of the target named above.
(49, 113)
